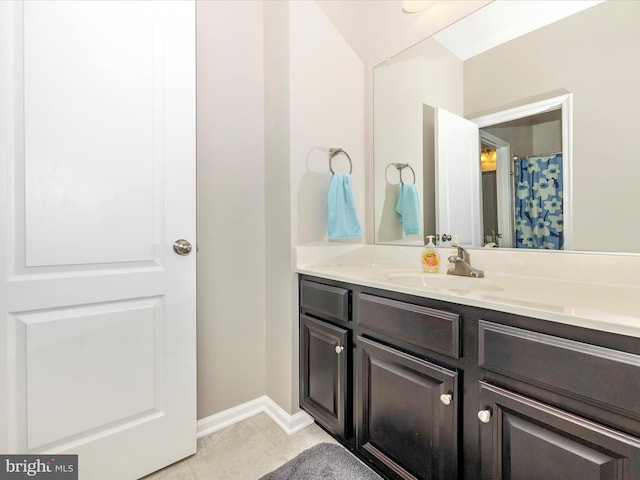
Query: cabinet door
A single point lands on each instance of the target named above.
(525, 439)
(407, 413)
(324, 366)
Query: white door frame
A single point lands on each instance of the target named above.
(565, 104)
(504, 187)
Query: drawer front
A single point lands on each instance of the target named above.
(325, 299)
(592, 374)
(424, 327)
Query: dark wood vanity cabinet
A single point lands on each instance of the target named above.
(430, 390)
(380, 394)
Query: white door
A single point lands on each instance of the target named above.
(97, 181)
(458, 200)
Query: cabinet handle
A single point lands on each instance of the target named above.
(446, 398)
(339, 349)
(484, 416)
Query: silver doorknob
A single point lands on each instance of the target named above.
(484, 416)
(446, 398)
(339, 349)
(182, 247)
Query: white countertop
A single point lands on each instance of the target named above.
(593, 291)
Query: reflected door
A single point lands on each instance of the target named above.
(458, 201)
(97, 312)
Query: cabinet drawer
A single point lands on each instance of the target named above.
(424, 327)
(325, 299)
(592, 374)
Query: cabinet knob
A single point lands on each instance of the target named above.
(339, 349)
(446, 398)
(484, 416)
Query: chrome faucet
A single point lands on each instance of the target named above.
(461, 265)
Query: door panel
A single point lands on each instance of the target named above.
(119, 368)
(97, 313)
(458, 200)
(528, 439)
(90, 110)
(402, 422)
(324, 361)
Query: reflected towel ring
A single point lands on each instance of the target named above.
(333, 152)
(406, 165)
(401, 167)
(386, 178)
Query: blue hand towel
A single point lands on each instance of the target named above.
(343, 218)
(408, 207)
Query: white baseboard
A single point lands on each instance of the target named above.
(288, 423)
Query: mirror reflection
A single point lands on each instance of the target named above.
(550, 164)
(526, 210)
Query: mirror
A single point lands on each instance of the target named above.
(583, 68)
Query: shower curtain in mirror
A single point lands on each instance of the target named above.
(538, 203)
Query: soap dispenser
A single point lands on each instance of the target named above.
(430, 258)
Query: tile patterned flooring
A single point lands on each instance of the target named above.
(243, 451)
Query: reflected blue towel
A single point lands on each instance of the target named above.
(343, 218)
(408, 207)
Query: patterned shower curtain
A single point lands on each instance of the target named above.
(538, 205)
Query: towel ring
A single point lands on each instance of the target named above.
(401, 167)
(333, 152)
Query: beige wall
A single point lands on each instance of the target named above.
(279, 279)
(390, 32)
(590, 55)
(279, 82)
(542, 136)
(318, 103)
(326, 106)
(404, 86)
(230, 198)
(278, 85)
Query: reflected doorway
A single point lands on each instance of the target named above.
(522, 168)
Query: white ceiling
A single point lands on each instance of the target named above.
(504, 20)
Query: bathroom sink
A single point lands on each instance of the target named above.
(442, 282)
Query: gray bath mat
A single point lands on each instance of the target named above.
(324, 461)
